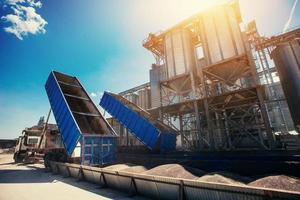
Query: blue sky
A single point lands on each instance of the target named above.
(98, 41)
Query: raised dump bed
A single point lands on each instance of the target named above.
(152, 133)
(85, 132)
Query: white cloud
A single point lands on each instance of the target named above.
(96, 94)
(14, 2)
(24, 19)
(33, 3)
(93, 94)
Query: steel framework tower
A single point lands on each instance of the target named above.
(215, 105)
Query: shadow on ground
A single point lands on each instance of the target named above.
(35, 174)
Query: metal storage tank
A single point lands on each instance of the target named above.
(222, 32)
(287, 59)
(155, 78)
(148, 98)
(141, 99)
(179, 52)
(144, 98)
(133, 98)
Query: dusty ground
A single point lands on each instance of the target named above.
(31, 182)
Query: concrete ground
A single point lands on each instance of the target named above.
(31, 182)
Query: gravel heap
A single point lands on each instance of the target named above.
(135, 169)
(225, 177)
(281, 182)
(174, 171)
(119, 167)
(218, 178)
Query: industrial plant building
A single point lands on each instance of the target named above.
(219, 118)
(222, 88)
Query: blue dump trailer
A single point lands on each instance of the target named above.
(154, 134)
(85, 133)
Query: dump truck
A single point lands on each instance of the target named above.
(37, 142)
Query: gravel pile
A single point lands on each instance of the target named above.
(119, 167)
(281, 182)
(218, 178)
(174, 171)
(135, 169)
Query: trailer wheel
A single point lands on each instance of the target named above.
(47, 159)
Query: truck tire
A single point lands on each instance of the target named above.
(62, 157)
(47, 159)
(18, 158)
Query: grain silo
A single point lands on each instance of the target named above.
(222, 32)
(287, 59)
(179, 52)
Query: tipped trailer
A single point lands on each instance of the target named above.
(154, 134)
(86, 135)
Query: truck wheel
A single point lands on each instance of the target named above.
(47, 159)
(62, 157)
(17, 158)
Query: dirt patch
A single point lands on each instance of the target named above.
(175, 171)
(6, 157)
(281, 182)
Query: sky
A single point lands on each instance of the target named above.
(98, 41)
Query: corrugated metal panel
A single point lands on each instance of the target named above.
(138, 125)
(143, 98)
(170, 57)
(145, 129)
(236, 31)
(132, 98)
(69, 130)
(179, 52)
(224, 34)
(98, 149)
(287, 59)
(167, 142)
(155, 87)
(212, 39)
(222, 31)
(76, 115)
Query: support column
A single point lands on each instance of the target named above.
(263, 109)
(181, 132)
(270, 136)
(227, 130)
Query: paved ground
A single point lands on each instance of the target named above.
(31, 182)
